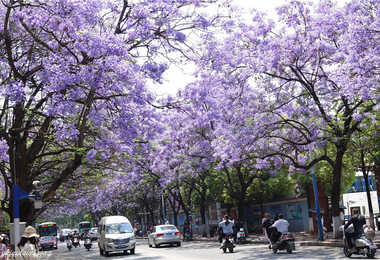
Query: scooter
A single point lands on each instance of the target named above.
(286, 242)
(187, 236)
(186, 233)
(87, 242)
(69, 243)
(228, 242)
(363, 243)
(240, 236)
(75, 241)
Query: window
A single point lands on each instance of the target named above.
(117, 228)
(359, 185)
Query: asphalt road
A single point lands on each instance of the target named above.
(199, 250)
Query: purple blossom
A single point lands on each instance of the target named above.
(180, 37)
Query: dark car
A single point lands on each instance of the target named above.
(63, 233)
(47, 242)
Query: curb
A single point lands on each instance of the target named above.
(317, 243)
(258, 241)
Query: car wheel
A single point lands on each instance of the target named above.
(133, 250)
(106, 253)
(179, 244)
(156, 245)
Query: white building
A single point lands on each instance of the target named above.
(356, 196)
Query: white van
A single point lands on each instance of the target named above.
(115, 233)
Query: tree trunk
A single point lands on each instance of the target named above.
(368, 192)
(242, 215)
(335, 193)
(203, 212)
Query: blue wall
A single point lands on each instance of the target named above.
(296, 213)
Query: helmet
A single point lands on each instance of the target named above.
(369, 233)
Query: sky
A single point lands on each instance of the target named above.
(176, 79)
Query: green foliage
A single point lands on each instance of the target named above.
(264, 190)
(87, 217)
(4, 226)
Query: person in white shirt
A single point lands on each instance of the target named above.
(27, 248)
(282, 226)
(225, 227)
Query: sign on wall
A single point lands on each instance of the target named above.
(294, 210)
(256, 214)
(275, 209)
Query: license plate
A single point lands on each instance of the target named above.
(373, 246)
(169, 234)
(121, 246)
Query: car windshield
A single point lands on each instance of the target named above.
(42, 239)
(66, 232)
(165, 228)
(117, 228)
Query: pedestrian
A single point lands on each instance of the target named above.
(196, 224)
(262, 224)
(166, 221)
(27, 248)
(268, 231)
(324, 229)
(3, 250)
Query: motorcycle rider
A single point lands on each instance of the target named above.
(77, 236)
(225, 227)
(86, 234)
(358, 221)
(282, 226)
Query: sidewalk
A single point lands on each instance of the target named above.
(302, 238)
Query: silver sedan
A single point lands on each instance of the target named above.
(164, 234)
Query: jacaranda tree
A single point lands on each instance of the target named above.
(73, 84)
(315, 73)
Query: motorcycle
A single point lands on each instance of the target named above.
(187, 236)
(363, 243)
(87, 242)
(286, 242)
(75, 241)
(187, 233)
(69, 243)
(240, 236)
(228, 242)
